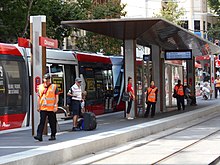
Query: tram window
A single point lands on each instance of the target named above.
(2, 87)
(108, 79)
(90, 83)
(57, 77)
(99, 84)
(13, 77)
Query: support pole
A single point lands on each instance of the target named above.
(38, 63)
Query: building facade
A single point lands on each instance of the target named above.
(197, 18)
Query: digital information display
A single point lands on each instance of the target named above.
(178, 54)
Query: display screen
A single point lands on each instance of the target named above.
(178, 54)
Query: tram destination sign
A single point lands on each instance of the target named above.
(178, 54)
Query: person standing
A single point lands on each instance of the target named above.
(76, 93)
(130, 90)
(217, 86)
(151, 98)
(179, 92)
(47, 106)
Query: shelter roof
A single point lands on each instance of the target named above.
(148, 31)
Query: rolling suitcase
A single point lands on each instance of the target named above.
(89, 121)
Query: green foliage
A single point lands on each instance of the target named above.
(214, 5)
(15, 15)
(214, 32)
(12, 17)
(171, 12)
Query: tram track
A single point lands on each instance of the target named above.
(190, 145)
(165, 136)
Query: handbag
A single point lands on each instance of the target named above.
(69, 98)
(125, 96)
(174, 95)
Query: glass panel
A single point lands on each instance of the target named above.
(90, 83)
(13, 77)
(57, 77)
(2, 87)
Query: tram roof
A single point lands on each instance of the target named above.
(148, 31)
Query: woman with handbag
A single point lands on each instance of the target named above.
(130, 90)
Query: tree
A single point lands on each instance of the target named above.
(214, 5)
(96, 42)
(214, 32)
(14, 17)
(15, 14)
(171, 12)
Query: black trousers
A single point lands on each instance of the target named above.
(151, 105)
(129, 106)
(193, 100)
(180, 101)
(52, 121)
(216, 91)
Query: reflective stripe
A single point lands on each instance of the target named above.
(49, 98)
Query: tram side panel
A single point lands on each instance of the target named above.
(14, 94)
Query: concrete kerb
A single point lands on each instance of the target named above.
(73, 149)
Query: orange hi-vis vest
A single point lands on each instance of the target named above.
(48, 98)
(179, 90)
(151, 94)
(217, 83)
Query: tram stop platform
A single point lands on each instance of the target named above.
(19, 147)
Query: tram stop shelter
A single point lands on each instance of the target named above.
(160, 35)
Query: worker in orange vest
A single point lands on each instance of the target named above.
(179, 93)
(47, 106)
(217, 86)
(151, 99)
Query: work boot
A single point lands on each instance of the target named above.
(39, 138)
(52, 138)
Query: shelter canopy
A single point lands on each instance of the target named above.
(148, 31)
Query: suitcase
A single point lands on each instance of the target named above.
(89, 121)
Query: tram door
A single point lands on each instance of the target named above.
(63, 76)
(108, 86)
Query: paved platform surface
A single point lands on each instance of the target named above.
(19, 147)
(194, 143)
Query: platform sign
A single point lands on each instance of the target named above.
(178, 54)
(23, 42)
(147, 57)
(48, 42)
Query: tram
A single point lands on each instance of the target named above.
(64, 67)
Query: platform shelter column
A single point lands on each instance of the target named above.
(130, 65)
(157, 75)
(191, 74)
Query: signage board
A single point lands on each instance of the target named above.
(178, 54)
(147, 57)
(23, 42)
(48, 42)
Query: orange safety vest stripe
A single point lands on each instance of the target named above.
(179, 90)
(151, 94)
(48, 99)
(217, 83)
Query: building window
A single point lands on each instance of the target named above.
(185, 24)
(196, 25)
